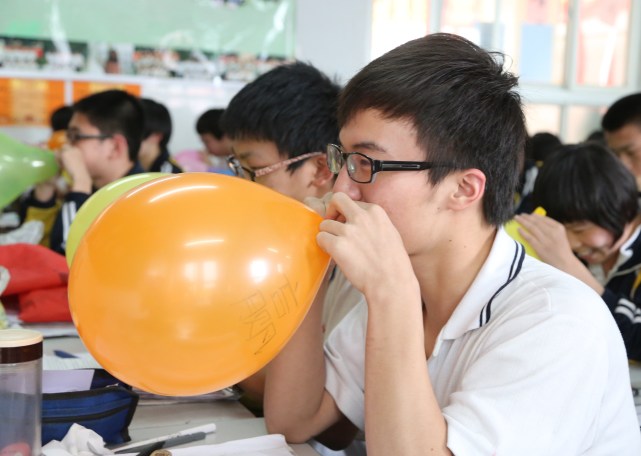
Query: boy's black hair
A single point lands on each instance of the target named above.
(586, 182)
(624, 111)
(597, 136)
(541, 145)
(115, 112)
(209, 122)
(461, 104)
(157, 120)
(292, 105)
(59, 119)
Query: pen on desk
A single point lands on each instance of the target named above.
(63, 354)
(206, 428)
(147, 449)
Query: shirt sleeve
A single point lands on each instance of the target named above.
(627, 315)
(345, 365)
(66, 215)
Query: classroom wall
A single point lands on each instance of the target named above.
(268, 30)
(332, 34)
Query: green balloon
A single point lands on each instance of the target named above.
(22, 166)
(99, 201)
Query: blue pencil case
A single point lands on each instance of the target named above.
(107, 409)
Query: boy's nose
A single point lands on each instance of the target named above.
(346, 185)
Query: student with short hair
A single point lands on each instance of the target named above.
(464, 344)
(60, 117)
(622, 128)
(592, 229)
(103, 140)
(278, 126)
(154, 154)
(214, 138)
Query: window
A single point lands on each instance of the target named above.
(573, 57)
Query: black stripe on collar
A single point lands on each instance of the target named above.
(515, 268)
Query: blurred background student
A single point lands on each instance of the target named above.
(154, 154)
(592, 229)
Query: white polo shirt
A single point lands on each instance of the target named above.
(340, 298)
(531, 362)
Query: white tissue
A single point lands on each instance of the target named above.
(79, 441)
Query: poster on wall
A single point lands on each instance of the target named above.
(110, 58)
(191, 55)
(82, 89)
(29, 102)
(195, 39)
(42, 54)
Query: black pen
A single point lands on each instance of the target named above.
(147, 449)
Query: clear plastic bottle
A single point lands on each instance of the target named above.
(20, 391)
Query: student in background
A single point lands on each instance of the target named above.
(279, 126)
(154, 155)
(213, 137)
(60, 118)
(537, 148)
(103, 140)
(464, 344)
(622, 127)
(44, 217)
(592, 229)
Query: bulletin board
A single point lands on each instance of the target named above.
(29, 101)
(191, 55)
(194, 39)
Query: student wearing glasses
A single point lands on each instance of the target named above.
(103, 140)
(464, 344)
(279, 126)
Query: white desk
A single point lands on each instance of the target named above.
(233, 421)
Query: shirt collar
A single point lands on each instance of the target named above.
(626, 251)
(502, 265)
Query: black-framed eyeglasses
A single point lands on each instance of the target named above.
(73, 136)
(246, 173)
(363, 169)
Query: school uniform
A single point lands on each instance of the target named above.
(70, 206)
(622, 294)
(530, 362)
(165, 164)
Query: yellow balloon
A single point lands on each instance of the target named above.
(22, 166)
(512, 228)
(92, 208)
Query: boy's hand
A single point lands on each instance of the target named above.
(365, 244)
(73, 162)
(46, 190)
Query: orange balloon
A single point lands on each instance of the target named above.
(189, 283)
(57, 140)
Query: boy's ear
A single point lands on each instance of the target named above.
(322, 176)
(121, 148)
(470, 189)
